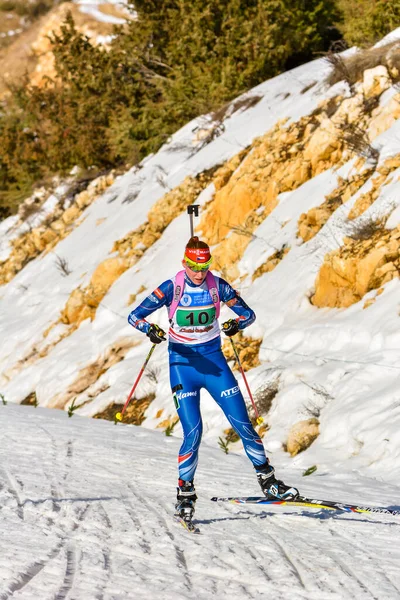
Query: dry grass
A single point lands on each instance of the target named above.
(264, 396)
(340, 71)
(134, 414)
(367, 228)
(351, 69)
(30, 400)
(247, 349)
(62, 266)
(356, 139)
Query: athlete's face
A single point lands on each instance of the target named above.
(196, 277)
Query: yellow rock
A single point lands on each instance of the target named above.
(82, 303)
(37, 238)
(70, 214)
(291, 175)
(74, 307)
(332, 290)
(302, 435)
(369, 302)
(366, 267)
(350, 110)
(227, 254)
(344, 269)
(224, 173)
(383, 274)
(58, 226)
(376, 81)
(83, 199)
(107, 272)
(359, 266)
(49, 236)
(247, 348)
(231, 206)
(92, 372)
(310, 223)
(103, 278)
(322, 143)
(384, 118)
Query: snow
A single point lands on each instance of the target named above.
(124, 207)
(394, 219)
(393, 36)
(77, 521)
(10, 32)
(292, 329)
(295, 333)
(85, 507)
(92, 8)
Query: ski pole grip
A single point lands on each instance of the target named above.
(193, 209)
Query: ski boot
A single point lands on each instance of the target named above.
(186, 500)
(272, 488)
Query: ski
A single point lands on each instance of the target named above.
(303, 502)
(187, 524)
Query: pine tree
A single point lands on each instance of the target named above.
(366, 21)
(385, 17)
(212, 50)
(177, 60)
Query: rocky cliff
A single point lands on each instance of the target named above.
(287, 136)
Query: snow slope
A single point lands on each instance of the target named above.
(25, 316)
(85, 506)
(85, 514)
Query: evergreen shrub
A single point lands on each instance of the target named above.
(178, 59)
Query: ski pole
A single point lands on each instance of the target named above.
(192, 209)
(119, 415)
(258, 418)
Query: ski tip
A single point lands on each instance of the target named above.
(214, 499)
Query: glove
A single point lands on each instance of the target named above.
(230, 327)
(156, 334)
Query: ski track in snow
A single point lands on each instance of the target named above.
(86, 513)
(86, 508)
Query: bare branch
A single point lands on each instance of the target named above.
(62, 266)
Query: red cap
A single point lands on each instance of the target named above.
(198, 255)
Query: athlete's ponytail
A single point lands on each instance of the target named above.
(195, 244)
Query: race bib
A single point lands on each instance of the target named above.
(195, 317)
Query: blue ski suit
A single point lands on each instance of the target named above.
(196, 361)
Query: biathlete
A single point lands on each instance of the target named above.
(196, 361)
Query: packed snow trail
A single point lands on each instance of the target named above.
(86, 513)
